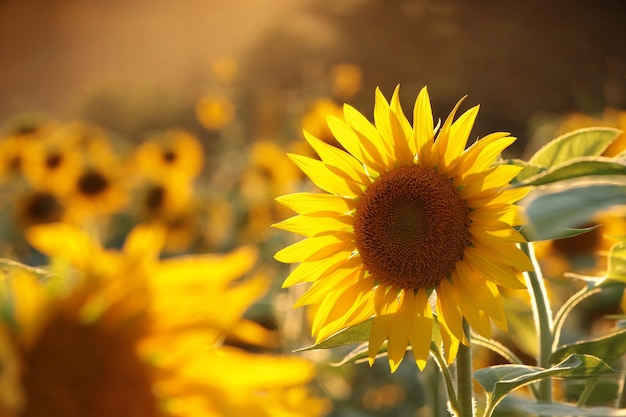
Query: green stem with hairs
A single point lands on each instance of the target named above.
(464, 377)
(543, 319)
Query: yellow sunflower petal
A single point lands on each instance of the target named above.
(360, 138)
(336, 158)
(420, 325)
(449, 309)
(442, 143)
(484, 152)
(495, 178)
(342, 277)
(401, 130)
(459, 132)
(310, 226)
(450, 341)
(493, 271)
(307, 203)
(423, 126)
(310, 271)
(326, 179)
(382, 120)
(477, 291)
(386, 302)
(313, 248)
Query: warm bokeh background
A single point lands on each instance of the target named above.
(107, 59)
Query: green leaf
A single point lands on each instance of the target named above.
(607, 348)
(576, 168)
(579, 143)
(499, 381)
(552, 210)
(567, 410)
(528, 171)
(617, 262)
(355, 334)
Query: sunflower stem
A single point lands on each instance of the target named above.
(464, 377)
(543, 319)
(445, 372)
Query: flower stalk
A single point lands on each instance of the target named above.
(543, 319)
(464, 377)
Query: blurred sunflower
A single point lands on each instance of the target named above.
(129, 335)
(314, 120)
(175, 154)
(98, 191)
(56, 165)
(406, 216)
(215, 111)
(15, 150)
(37, 207)
(346, 79)
(171, 204)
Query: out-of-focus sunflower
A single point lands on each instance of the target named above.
(175, 154)
(98, 191)
(170, 203)
(406, 217)
(269, 173)
(56, 165)
(129, 335)
(346, 80)
(15, 150)
(314, 120)
(37, 207)
(215, 111)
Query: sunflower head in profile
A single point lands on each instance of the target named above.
(411, 222)
(123, 333)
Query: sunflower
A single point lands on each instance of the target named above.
(174, 153)
(125, 334)
(406, 219)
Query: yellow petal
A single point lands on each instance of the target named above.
(443, 137)
(330, 283)
(336, 158)
(484, 152)
(314, 248)
(475, 288)
(423, 126)
(400, 131)
(495, 178)
(307, 203)
(449, 309)
(421, 325)
(310, 271)
(363, 136)
(382, 120)
(310, 226)
(459, 133)
(326, 179)
(497, 272)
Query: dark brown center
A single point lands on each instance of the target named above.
(92, 183)
(76, 369)
(411, 227)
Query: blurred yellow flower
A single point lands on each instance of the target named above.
(405, 217)
(129, 335)
(56, 164)
(37, 207)
(175, 154)
(314, 120)
(214, 111)
(346, 80)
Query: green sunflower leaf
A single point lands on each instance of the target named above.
(579, 143)
(576, 168)
(566, 410)
(554, 210)
(498, 381)
(355, 334)
(607, 348)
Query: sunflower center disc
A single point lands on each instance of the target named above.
(411, 227)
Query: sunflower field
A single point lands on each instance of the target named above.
(363, 209)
